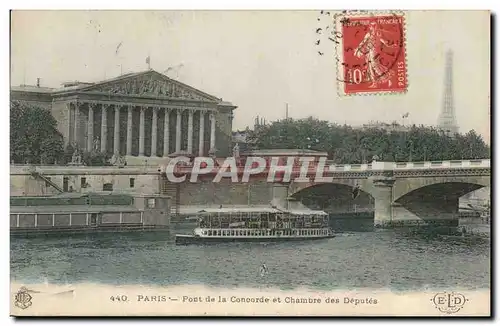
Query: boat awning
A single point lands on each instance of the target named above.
(240, 210)
(199, 209)
(307, 212)
(195, 210)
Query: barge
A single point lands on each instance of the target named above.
(88, 212)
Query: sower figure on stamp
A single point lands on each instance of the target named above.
(369, 47)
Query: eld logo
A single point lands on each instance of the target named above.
(23, 298)
(449, 302)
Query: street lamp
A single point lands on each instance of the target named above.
(411, 150)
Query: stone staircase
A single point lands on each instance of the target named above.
(40, 176)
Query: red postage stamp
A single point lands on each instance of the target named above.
(371, 54)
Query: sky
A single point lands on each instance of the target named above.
(259, 60)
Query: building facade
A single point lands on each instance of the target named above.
(143, 115)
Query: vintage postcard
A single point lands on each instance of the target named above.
(250, 163)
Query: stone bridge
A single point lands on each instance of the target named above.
(403, 193)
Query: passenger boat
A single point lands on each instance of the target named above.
(257, 225)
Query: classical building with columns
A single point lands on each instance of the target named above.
(141, 116)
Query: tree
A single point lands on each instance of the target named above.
(52, 151)
(348, 145)
(475, 146)
(34, 137)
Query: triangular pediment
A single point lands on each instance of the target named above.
(149, 84)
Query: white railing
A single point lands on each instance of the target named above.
(263, 233)
(428, 165)
(329, 166)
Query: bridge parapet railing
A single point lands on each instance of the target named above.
(329, 167)
(332, 167)
(456, 163)
(380, 166)
(447, 164)
(480, 163)
(438, 164)
(373, 166)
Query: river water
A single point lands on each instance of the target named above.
(359, 257)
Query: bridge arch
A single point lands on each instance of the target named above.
(365, 185)
(336, 196)
(436, 186)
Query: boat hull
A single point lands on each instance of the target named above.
(185, 239)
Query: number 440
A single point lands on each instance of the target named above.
(118, 298)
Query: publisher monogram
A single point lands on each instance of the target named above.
(449, 302)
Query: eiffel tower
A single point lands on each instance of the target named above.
(447, 121)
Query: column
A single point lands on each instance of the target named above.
(178, 131)
(201, 143)
(166, 132)
(116, 136)
(212, 131)
(383, 201)
(104, 127)
(68, 136)
(154, 130)
(129, 130)
(76, 130)
(90, 128)
(190, 131)
(141, 131)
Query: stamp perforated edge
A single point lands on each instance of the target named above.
(339, 48)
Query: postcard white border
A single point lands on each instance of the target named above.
(312, 4)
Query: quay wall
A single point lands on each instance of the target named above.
(258, 192)
(83, 179)
(136, 179)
